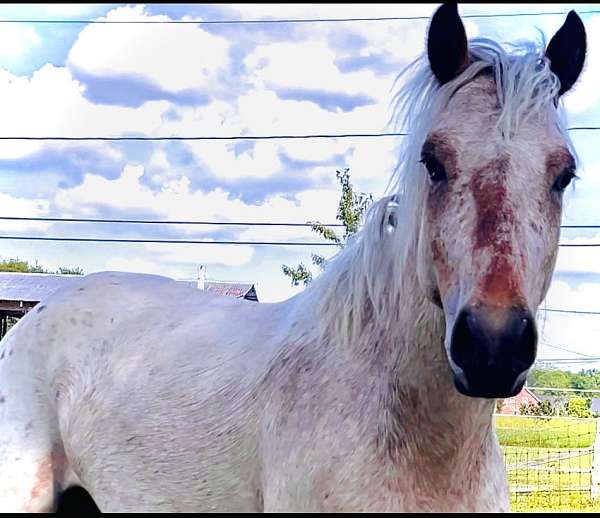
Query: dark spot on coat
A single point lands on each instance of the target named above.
(2, 356)
(41, 308)
(2, 399)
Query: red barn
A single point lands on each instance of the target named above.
(511, 405)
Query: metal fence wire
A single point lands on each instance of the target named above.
(552, 463)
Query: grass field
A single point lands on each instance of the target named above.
(548, 462)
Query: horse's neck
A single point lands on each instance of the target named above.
(420, 407)
(404, 353)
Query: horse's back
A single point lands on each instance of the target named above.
(161, 379)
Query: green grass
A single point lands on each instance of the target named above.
(545, 433)
(548, 462)
(545, 501)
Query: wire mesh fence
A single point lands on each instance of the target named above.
(551, 462)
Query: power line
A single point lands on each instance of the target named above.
(214, 137)
(570, 311)
(288, 20)
(168, 222)
(195, 222)
(580, 226)
(568, 350)
(580, 244)
(115, 240)
(172, 241)
(240, 137)
(568, 361)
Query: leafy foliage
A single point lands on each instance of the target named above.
(578, 407)
(351, 208)
(544, 408)
(19, 266)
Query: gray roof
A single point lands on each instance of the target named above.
(33, 287)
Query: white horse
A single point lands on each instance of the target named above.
(373, 390)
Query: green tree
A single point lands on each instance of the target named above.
(351, 207)
(17, 265)
(20, 266)
(549, 378)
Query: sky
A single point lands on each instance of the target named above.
(83, 79)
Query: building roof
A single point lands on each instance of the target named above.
(231, 289)
(525, 390)
(33, 287)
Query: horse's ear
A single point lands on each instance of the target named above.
(566, 51)
(447, 46)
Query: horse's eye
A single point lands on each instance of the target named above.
(436, 170)
(564, 179)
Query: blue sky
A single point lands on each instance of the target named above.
(143, 79)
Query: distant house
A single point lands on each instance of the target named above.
(19, 292)
(511, 405)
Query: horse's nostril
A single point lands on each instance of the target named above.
(463, 344)
(525, 344)
(493, 347)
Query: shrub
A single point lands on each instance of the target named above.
(578, 407)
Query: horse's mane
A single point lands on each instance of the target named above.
(363, 284)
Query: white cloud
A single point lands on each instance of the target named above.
(176, 57)
(24, 208)
(17, 39)
(579, 259)
(176, 200)
(50, 103)
(308, 65)
(134, 265)
(228, 255)
(578, 333)
(68, 9)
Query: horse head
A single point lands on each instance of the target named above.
(497, 160)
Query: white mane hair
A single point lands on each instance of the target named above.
(361, 289)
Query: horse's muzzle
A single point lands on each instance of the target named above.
(491, 351)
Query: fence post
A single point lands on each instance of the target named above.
(596, 463)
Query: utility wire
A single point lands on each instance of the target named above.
(289, 20)
(172, 241)
(588, 356)
(140, 138)
(169, 222)
(118, 240)
(214, 137)
(196, 222)
(570, 311)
